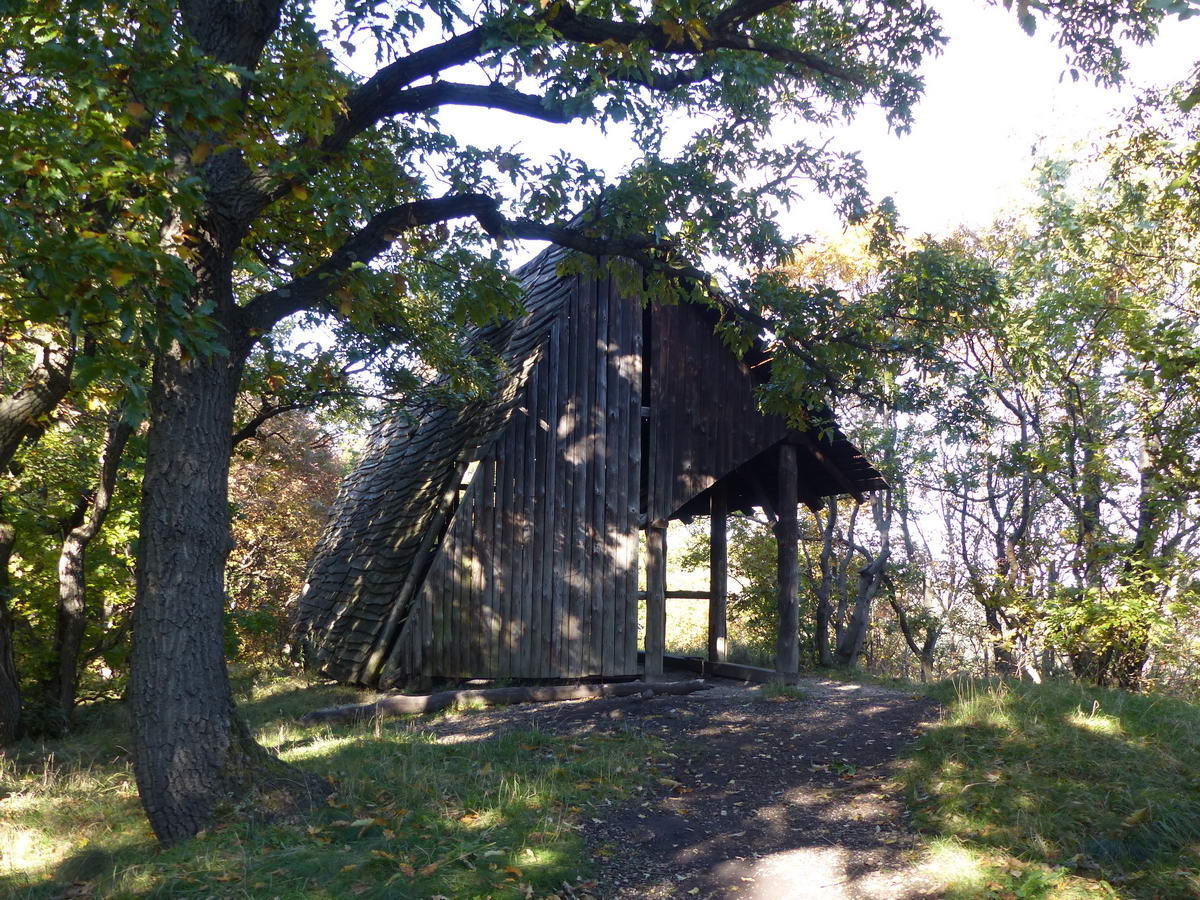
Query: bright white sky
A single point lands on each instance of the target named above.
(991, 97)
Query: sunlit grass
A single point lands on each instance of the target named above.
(782, 692)
(412, 817)
(1060, 791)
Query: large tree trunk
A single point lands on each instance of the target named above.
(923, 651)
(193, 755)
(1001, 640)
(870, 580)
(850, 644)
(787, 535)
(824, 611)
(10, 688)
(72, 584)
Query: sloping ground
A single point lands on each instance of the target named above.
(765, 799)
(719, 794)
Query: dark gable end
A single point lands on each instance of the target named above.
(607, 416)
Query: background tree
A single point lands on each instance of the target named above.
(281, 487)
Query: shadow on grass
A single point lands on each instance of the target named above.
(412, 817)
(1099, 788)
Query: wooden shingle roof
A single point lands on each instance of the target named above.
(386, 505)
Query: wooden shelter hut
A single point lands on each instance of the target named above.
(500, 539)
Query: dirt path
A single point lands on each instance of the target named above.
(761, 800)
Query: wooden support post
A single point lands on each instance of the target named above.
(718, 575)
(787, 535)
(656, 598)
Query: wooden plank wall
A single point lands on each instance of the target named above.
(704, 419)
(537, 575)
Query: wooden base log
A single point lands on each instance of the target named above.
(404, 704)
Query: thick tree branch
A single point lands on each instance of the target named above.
(233, 31)
(744, 10)
(309, 290)
(665, 81)
(493, 96)
(369, 103)
(21, 414)
(591, 30)
(388, 91)
(267, 412)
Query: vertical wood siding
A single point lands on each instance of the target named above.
(537, 574)
(704, 420)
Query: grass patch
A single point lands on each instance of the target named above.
(1059, 791)
(412, 817)
(775, 690)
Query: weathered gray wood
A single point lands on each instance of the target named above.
(479, 610)
(433, 595)
(460, 629)
(638, 461)
(565, 522)
(406, 705)
(599, 593)
(511, 467)
(446, 658)
(526, 506)
(703, 397)
(384, 649)
(580, 364)
(617, 483)
(556, 576)
(542, 593)
(626, 494)
(553, 539)
(718, 575)
(656, 599)
(827, 465)
(739, 671)
(787, 534)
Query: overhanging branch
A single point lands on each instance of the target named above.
(492, 96)
(716, 36)
(389, 91)
(310, 290)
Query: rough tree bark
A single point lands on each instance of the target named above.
(193, 754)
(718, 576)
(47, 384)
(72, 585)
(824, 612)
(870, 580)
(850, 645)
(10, 688)
(787, 536)
(656, 598)
(924, 650)
(21, 419)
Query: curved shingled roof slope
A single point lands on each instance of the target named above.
(388, 503)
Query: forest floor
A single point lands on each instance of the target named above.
(766, 793)
(830, 790)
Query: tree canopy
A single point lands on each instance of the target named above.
(181, 178)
